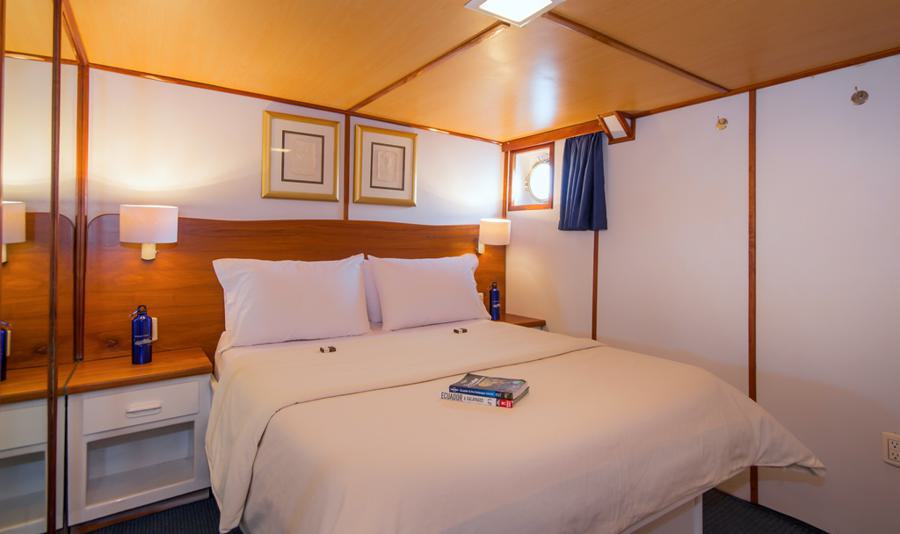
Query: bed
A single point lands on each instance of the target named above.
(358, 440)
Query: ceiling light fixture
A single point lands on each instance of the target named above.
(516, 12)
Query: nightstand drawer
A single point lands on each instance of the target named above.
(111, 410)
(23, 424)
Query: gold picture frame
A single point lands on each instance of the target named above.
(394, 190)
(317, 132)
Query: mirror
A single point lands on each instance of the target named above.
(25, 273)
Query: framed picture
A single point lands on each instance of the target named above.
(385, 171)
(300, 157)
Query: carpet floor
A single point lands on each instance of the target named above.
(722, 514)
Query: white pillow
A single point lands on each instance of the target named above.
(373, 304)
(273, 301)
(427, 291)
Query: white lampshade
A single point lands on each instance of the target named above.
(148, 224)
(13, 222)
(494, 231)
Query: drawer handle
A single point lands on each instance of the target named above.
(143, 409)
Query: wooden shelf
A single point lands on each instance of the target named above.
(521, 320)
(94, 375)
(31, 383)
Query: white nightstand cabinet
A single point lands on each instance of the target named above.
(23, 466)
(135, 445)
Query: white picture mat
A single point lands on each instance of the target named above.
(366, 189)
(276, 184)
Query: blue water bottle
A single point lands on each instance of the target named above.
(5, 346)
(141, 336)
(495, 302)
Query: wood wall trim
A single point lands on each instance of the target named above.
(476, 39)
(36, 57)
(591, 126)
(53, 322)
(595, 283)
(587, 127)
(628, 49)
(346, 173)
(751, 270)
(2, 121)
(82, 136)
(239, 92)
(180, 287)
(73, 33)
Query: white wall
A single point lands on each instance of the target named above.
(155, 142)
(458, 180)
(548, 272)
(672, 277)
(829, 293)
(26, 134)
(673, 271)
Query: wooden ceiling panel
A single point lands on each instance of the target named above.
(327, 52)
(736, 42)
(531, 79)
(29, 29)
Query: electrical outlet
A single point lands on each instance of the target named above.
(891, 448)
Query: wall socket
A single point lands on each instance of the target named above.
(891, 448)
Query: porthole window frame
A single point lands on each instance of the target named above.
(511, 173)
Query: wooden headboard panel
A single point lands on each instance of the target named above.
(25, 292)
(180, 288)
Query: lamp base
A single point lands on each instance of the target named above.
(148, 251)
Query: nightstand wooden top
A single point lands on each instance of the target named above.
(31, 383)
(93, 375)
(522, 320)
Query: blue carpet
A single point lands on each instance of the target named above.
(722, 514)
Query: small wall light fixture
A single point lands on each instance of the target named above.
(148, 225)
(721, 123)
(617, 126)
(859, 96)
(493, 232)
(13, 224)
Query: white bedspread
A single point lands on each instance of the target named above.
(357, 441)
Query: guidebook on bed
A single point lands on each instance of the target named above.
(489, 386)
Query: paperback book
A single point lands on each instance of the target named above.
(480, 400)
(489, 386)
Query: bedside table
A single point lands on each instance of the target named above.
(521, 320)
(136, 432)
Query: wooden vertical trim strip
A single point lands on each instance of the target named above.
(595, 283)
(751, 269)
(52, 414)
(2, 73)
(347, 167)
(505, 185)
(81, 222)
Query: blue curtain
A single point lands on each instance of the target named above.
(583, 195)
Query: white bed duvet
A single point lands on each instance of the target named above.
(358, 441)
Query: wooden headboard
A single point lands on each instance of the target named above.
(180, 288)
(25, 292)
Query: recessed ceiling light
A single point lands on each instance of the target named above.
(517, 12)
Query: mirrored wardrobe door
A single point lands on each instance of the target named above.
(26, 283)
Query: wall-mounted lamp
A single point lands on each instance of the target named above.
(493, 232)
(13, 224)
(148, 225)
(617, 126)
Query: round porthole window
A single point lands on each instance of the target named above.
(538, 181)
